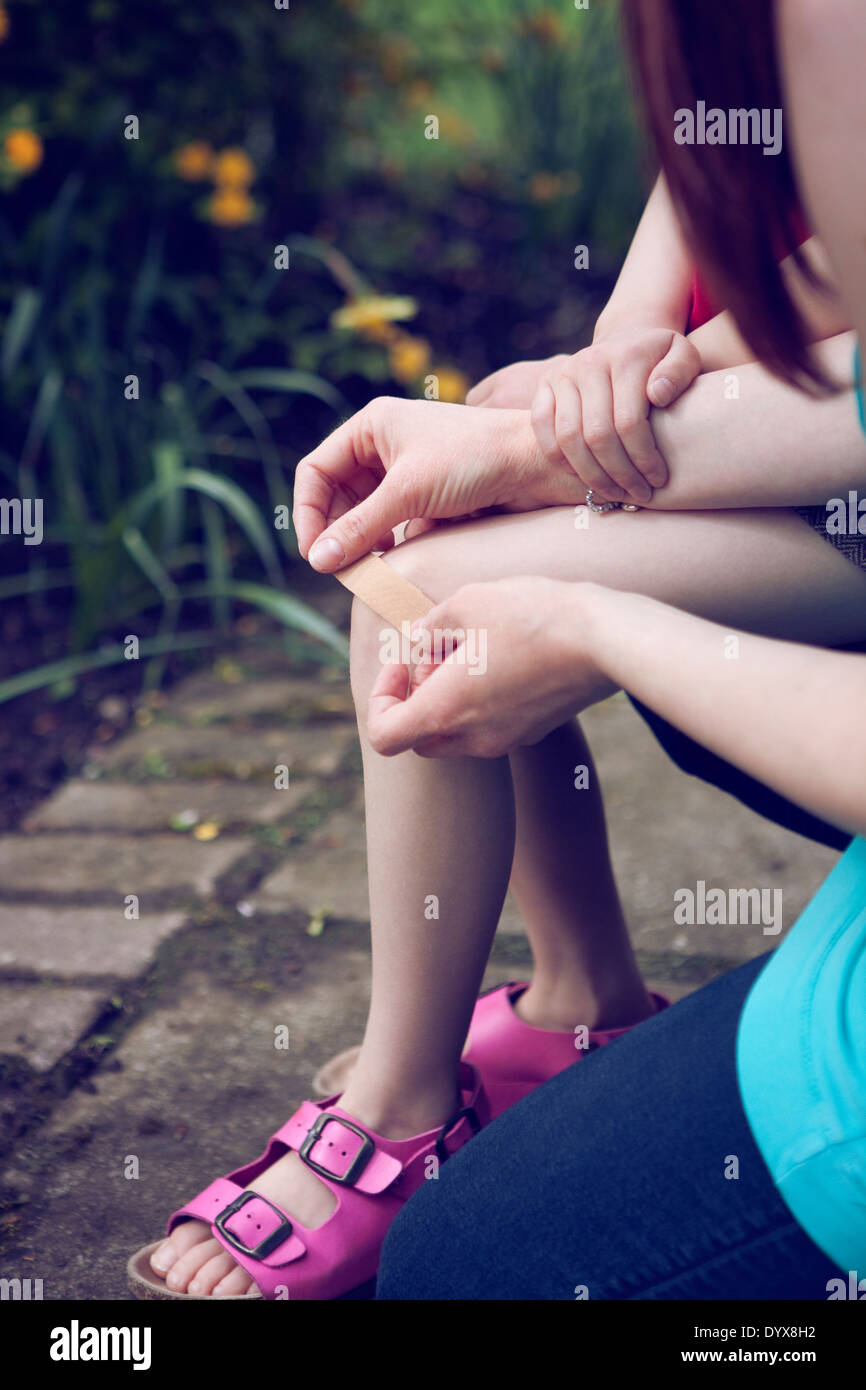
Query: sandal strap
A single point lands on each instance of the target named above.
(246, 1223)
(339, 1149)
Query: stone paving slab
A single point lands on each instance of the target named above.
(103, 805)
(328, 873)
(60, 865)
(165, 749)
(40, 1023)
(70, 941)
(204, 698)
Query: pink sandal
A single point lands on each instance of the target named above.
(338, 1259)
(514, 1057)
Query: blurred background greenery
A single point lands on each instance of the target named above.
(161, 375)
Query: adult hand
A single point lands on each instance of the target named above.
(592, 409)
(514, 387)
(520, 664)
(397, 460)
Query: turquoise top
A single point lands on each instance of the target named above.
(801, 1055)
(801, 1063)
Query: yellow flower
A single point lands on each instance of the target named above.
(23, 149)
(233, 168)
(408, 357)
(208, 830)
(231, 207)
(369, 314)
(4, 23)
(194, 161)
(453, 384)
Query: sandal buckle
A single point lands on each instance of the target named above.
(466, 1112)
(358, 1163)
(270, 1242)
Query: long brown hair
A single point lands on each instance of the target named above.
(737, 206)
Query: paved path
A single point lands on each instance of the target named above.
(154, 940)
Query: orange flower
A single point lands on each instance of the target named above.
(452, 384)
(419, 92)
(23, 149)
(193, 161)
(492, 59)
(231, 207)
(546, 26)
(233, 168)
(408, 357)
(394, 56)
(543, 188)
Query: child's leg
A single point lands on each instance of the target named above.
(585, 970)
(440, 842)
(444, 828)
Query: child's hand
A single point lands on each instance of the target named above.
(592, 409)
(514, 387)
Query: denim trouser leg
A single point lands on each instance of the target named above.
(612, 1177)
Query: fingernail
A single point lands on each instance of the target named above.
(195, 1287)
(163, 1258)
(326, 553)
(662, 391)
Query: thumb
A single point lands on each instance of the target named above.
(357, 531)
(676, 371)
(401, 712)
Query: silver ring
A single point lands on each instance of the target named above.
(600, 506)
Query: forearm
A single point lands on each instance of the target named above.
(745, 439)
(720, 343)
(654, 285)
(791, 716)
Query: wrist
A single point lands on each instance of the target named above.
(535, 481)
(630, 319)
(587, 620)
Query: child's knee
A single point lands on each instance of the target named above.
(365, 644)
(421, 562)
(428, 562)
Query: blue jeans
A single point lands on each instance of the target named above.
(609, 1182)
